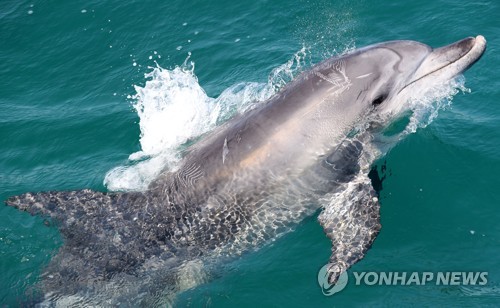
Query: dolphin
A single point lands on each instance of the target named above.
(248, 181)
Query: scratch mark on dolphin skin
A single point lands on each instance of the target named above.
(225, 151)
(341, 83)
(364, 76)
(338, 77)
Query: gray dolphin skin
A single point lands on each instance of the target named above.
(309, 147)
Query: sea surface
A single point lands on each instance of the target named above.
(101, 95)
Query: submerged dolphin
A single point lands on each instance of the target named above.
(251, 179)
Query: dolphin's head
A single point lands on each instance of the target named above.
(422, 67)
(407, 68)
(384, 76)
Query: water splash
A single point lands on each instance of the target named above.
(286, 72)
(426, 106)
(417, 110)
(172, 107)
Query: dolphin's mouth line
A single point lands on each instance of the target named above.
(433, 71)
(450, 63)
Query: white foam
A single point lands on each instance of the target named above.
(173, 109)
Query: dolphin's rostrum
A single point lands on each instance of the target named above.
(251, 179)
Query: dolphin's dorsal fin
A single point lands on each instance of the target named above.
(352, 221)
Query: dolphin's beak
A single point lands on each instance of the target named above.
(448, 61)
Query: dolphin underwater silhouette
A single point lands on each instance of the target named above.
(249, 180)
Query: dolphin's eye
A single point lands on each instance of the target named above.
(379, 100)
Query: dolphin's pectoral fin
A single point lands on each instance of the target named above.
(352, 221)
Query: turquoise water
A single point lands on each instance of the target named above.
(67, 77)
